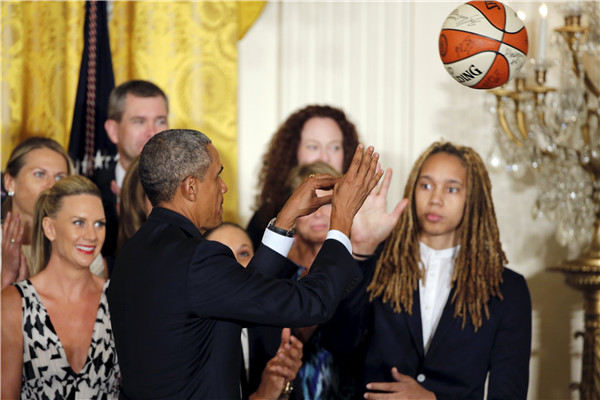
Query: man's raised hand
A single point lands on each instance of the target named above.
(351, 191)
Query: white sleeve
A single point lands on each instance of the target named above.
(340, 237)
(276, 242)
(282, 244)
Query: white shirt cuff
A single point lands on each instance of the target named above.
(282, 244)
(276, 242)
(340, 237)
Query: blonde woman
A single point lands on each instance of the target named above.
(56, 332)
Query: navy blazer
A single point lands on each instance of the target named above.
(177, 302)
(458, 360)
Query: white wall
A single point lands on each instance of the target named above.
(379, 62)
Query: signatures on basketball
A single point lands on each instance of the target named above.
(466, 20)
(491, 80)
(466, 47)
(512, 56)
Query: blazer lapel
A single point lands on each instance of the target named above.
(414, 323)
(446, 321)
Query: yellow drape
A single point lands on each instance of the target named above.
(41, 52)
(188, 48)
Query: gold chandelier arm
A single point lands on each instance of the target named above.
(585, 128)
(504, 123)
(590, 85)
(541, 118)
(539, 94)
(521, 123)
(585, 131)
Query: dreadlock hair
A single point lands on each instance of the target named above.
(478, 267)
(281, 155)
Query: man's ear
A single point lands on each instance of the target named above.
(48, 228)
(111, 126)
(189, 188)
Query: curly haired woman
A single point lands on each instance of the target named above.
(314, 133)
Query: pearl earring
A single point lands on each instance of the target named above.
(11, 193)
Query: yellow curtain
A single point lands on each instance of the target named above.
(188, 48)
(40, 56)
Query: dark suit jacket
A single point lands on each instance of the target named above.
(263, 343)
(256, 226)
(458, 360)
(103, 178)
(177, 302)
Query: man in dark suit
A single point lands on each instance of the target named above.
(177, 301)
(137, 110)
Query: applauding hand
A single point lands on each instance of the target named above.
(14, 264)
(281, 369)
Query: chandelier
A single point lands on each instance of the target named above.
(552, 129)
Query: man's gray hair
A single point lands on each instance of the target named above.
(168, 158)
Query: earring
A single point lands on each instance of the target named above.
(11, 193)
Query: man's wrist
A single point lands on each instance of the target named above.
(341, 225)
(272, 226)
(284, 221)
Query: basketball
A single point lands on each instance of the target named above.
(483, 44)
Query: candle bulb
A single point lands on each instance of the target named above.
(541, 50)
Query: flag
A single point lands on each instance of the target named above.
(89, 146)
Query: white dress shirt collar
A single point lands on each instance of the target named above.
(434, 288)
(119, 174)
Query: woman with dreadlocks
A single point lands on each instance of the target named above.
(440, 310)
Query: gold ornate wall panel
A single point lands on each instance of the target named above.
(41, 45)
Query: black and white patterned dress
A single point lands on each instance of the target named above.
(47, 373)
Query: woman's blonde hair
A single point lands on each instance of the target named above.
(478, 267)
(16, 160)
(299, 173)
(48, 204)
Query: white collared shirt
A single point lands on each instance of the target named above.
(435, 287)
(119, 174)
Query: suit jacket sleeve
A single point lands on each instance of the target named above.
(509, 368)
(219, 287)
(345, 330)
(270, 263)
